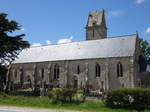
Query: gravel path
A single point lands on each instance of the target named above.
(25, 109)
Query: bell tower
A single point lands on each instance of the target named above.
(96, 26)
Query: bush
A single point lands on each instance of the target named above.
(128, 98)
(62, 95)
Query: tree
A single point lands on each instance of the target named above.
(144, 48)
(144, 54)
(10, 45)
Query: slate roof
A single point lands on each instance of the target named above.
(90, 49)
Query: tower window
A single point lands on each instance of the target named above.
(94, 23)
(78, 69)
(98, 70)
(119, 70)
(90, 15)
(56, 71)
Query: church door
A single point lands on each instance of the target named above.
(75, 83)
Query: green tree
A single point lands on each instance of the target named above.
(144, 54)
(10, 44)
(144, 48)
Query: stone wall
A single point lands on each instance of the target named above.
(68, 73)
(144, 80)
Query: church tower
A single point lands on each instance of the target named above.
(96, 26)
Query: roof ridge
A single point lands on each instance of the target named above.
(123, 35)
(82, 41)
(115, 47)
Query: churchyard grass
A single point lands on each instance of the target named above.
(44, 102)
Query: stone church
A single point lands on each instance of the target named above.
(99, 62)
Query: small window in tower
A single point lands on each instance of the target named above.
(94, 23)
(90, 15)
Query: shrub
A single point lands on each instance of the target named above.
(23, 92)
(36, 92)
(62, 95)
(129, 98)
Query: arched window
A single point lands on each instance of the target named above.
(98, 70)
(78, 69)
(15, 72)
(56, 71)
(119, 70)
(42, 73)
(21, 75)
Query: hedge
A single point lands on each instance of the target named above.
(128, 98)
(63, 95)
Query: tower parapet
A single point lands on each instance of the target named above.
(96, 26)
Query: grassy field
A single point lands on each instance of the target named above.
(36, 102)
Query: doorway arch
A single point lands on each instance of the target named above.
(75, 82)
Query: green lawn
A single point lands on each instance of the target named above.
(89, 105)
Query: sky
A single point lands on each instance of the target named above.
(58, 21)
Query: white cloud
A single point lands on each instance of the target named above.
(115, 13)
(148, 30)
(22, 29)
(48, 42)
(65, 40)
(140, 1)
(36, 44)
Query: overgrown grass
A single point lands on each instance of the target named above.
(88, 105)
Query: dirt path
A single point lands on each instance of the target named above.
(25, 109)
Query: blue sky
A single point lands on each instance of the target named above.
(53, 21)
